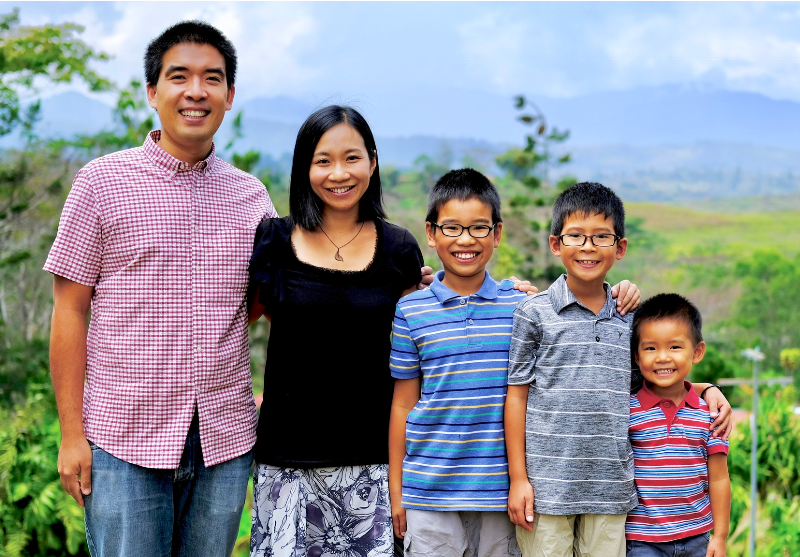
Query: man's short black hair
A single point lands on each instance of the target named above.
(196, 32)
(305, 207)
(668, 306)
(463, 184)
(588, 198)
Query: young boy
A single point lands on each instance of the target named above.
(681, 471)
(566, 415)
(448, 473)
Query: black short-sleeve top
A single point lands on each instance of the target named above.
(327, 386)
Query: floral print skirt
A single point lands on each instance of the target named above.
(321, 512)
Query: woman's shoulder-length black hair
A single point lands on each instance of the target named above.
(305, 207)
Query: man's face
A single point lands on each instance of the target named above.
(191, 98)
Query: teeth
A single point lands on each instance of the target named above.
(465, 255)
(341, 190)
(194, 113)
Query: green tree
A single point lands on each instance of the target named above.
(763, 316)
(527, 183)
(53, 52)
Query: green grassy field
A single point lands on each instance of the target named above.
(689, 231)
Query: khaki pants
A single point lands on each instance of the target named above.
(577, 535)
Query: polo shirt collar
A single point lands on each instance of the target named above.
(561, 296)
(487, 291)
(648, 399)
(161, 158)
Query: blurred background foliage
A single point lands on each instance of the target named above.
(743, 271)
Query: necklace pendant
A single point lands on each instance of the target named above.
(338, 257)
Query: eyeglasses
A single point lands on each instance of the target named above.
(455, 230)
(598, 240)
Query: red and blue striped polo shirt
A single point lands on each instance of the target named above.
(671, 445)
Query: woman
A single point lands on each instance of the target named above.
(329, 276)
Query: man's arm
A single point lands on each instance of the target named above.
(718, 407)
(407, 393)
(71, 303)
(520, 493)
(719, 491)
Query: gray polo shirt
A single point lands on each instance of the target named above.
(578, 365)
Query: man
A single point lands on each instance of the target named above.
(156, 242)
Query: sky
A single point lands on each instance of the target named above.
(402, 55)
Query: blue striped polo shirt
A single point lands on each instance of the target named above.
(455, 443)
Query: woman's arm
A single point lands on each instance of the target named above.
(406, 395)
(255, 309)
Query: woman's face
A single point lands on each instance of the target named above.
(341, 168)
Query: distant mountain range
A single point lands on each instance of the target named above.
(660, 143)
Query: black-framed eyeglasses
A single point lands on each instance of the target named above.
(598, 240)
(455, 230)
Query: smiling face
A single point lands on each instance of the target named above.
(464, 258)
(191, 97)
(587, 264)
(666, 353)
(341, 169)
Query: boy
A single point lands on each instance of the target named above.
(567, 409)
(681, 471)
(449, 491)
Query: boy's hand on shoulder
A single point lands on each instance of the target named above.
(524, 286)
(427, 278)
(627, 295)
(520, 504)
(716, 547)
(719, 408)
(399, 520)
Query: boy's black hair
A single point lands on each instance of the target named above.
(196, 32)
(668, 306)
(305, 207)
(588, 198)
(664, 306)
(463, 184)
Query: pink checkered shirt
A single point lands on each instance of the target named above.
(166, 247)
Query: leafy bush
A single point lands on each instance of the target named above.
(777, 473)
(37, 517)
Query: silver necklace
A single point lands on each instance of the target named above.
(337, 256)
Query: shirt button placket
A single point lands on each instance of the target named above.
(196, 270)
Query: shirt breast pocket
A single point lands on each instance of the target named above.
(228, 257)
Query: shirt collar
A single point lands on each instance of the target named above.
(561, 296)
(161, 158)
(487, 291)
(648, 399)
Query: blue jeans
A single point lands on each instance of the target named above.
(192, 511)
(694, 546)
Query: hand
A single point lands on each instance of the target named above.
(399, 521)
(627, 295)
(427, 279)
(720, 409)
(75, 468)
(520, 504)
(716, 547)
(524, 286)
